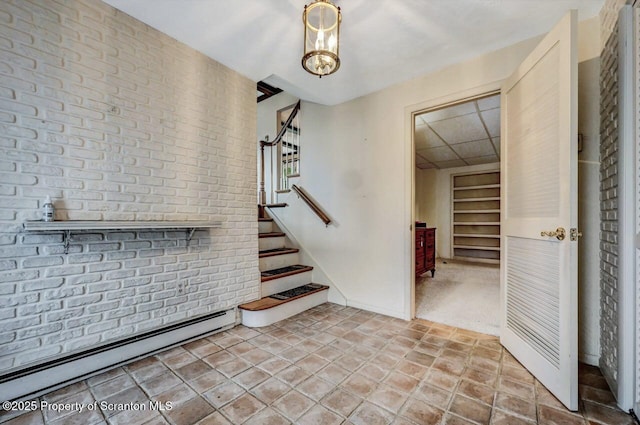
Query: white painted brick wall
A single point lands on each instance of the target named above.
(608, 200)
(116, 121)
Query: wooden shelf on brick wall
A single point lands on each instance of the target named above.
(68, 226)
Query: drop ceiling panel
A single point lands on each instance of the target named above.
(489, 102)
(491, 119)
(496, 143)
(426, 138)
(473, 149)
(452, 163)
(482, 160)
(443, 153)
(449, 112)
(460, 129)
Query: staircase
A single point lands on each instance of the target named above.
(286, 287)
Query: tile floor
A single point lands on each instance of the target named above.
(329, 365)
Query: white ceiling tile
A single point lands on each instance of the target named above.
(426, 138)
(490, 102)
(443, 153)
(426, 166)
(491, 119)
(460, 129)
(451, 163)
(482, 160)
(496, 143)
(448, 112)
(473, 149)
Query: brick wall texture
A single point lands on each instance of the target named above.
(117, 121)
(609, 205)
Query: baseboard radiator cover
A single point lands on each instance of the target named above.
(49, 376)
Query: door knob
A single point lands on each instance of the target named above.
(559, 233)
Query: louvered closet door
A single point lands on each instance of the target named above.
(539, 193)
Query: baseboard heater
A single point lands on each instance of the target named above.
(48, 376)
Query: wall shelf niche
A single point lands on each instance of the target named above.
(475, 216)
(68, 227)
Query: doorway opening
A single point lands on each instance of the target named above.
(457, 198)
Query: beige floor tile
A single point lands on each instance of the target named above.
(251, 377)
(242, 408)
(517, 406)
(215, 418)
(319, 415)
(359, 385)
(551, 416)
(370, 414)
(207, 381)
(312, 363)
(388, 398)
(193, 370)
(476, 391)
(202, 348)
(421, 412)
(341, 402)
(189, 412)
(470, 409)
(160, 383)
(274, 365)
(293, 405)
(293, 375)
(401, 382)
(432, 395)
(268, 416)
(223, 394)
(315, 388)
(333, 373)
(270, 390)
(352, 367)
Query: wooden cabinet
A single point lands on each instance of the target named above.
(425, 250)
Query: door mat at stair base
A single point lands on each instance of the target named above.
(296, 292)
(282, 270)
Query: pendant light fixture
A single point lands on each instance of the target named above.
(321, 37)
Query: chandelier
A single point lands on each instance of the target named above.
(321, 37)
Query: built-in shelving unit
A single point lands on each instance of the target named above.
(476, 216)
(71, 226)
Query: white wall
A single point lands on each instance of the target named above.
(117, 121)
(357, 162)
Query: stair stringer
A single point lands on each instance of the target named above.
(336, 296)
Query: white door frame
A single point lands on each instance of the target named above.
(626, 373)
(409, 113)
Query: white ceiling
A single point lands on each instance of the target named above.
(464, 134)
(382, 42)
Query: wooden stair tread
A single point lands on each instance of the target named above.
(268, 302)
(264, 219)
(270, 235)
(279, 205)
(277, 251)
(268, 275)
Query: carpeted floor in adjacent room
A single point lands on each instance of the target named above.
(464, 295)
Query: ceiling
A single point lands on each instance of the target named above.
(381, 42)
(460, 135)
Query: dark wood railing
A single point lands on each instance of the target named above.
(312, 204)
(266, 142)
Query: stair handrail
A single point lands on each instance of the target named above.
(266, 142)
(312, 204)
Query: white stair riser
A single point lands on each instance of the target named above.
(271, 243)
(277, 261)
(265, 226)
(274, 286)
(256, 319)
